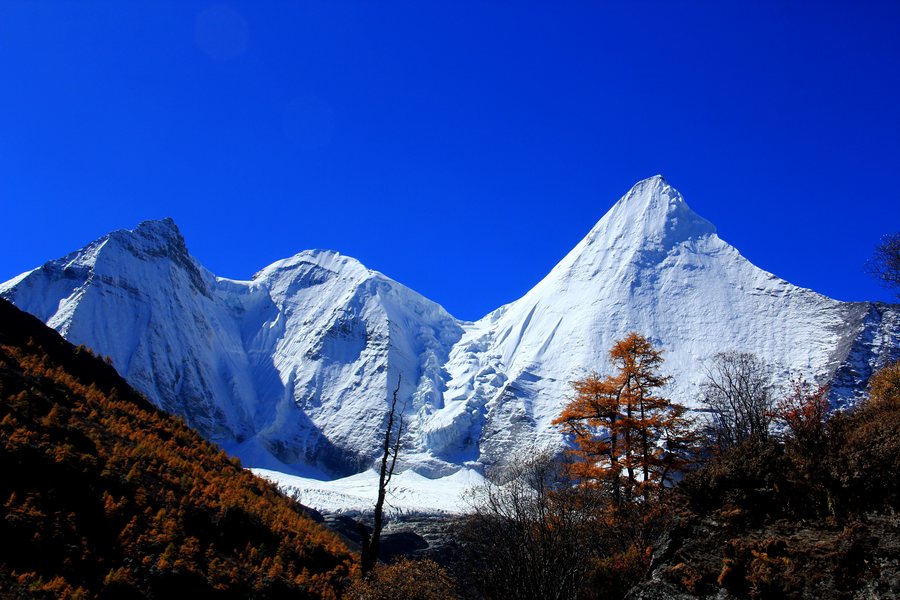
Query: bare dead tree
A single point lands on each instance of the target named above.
(371, 542)
(738, 395)
(885, 262)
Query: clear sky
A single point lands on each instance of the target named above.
(461, 148)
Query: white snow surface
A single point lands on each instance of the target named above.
(408, 492)
(294, 370)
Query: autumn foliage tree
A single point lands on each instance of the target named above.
(884, 386)
(630, 444)
(627, 437)
(404, 579)
(804, 411)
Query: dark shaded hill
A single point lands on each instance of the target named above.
(103, 495)
(812, 518)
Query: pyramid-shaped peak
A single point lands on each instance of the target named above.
(159, 229)
(154, 237)
(650, 195)
(652, 211)
(655, 182)
(166, 224)
(648, 221)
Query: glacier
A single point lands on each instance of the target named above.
(293, 370)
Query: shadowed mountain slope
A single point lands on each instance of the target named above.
(103, 494)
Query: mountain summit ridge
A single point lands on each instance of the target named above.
(294, 369)
(639, 230)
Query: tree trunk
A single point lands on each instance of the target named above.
(370, 543)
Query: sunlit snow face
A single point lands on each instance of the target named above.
(297, 366)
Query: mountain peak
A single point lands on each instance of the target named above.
(158, 227)
(651, 213)
(150, 241)
(159, 233)
(326, 260)
(651, 219)
(657, 180)
(649, 199)
(298, 365)
(153, 238)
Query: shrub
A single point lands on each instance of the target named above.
(405, 579)
(884, 386)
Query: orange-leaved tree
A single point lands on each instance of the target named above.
(884, 386)
(627, 437)
(805, 411)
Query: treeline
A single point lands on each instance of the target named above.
(102, 495)
(768, 495)
(765, 495)
(809, 513)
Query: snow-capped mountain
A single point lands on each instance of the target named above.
(653, 266)
(295, 368)
(296, 363)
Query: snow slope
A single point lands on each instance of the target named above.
(139, 298)
(294, 369)
(654, 266)
(407, 492)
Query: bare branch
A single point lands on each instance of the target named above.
(370, 543)
(737, 393)
(885, 262)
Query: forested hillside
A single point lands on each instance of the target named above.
(810, 514)
(770, 495)
(104, 495)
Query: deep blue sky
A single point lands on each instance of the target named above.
(461, 148)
